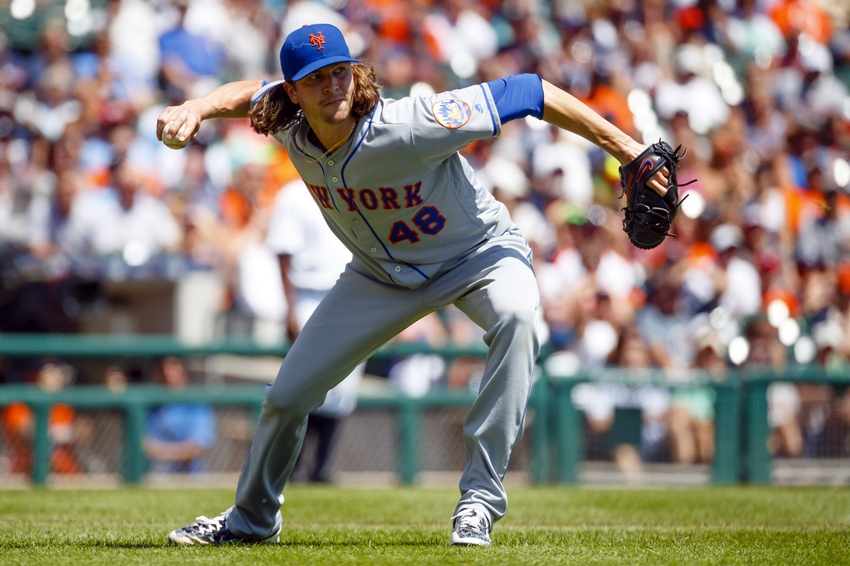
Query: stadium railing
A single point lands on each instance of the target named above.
(568, 427)
(557, 450)
(757, 462)
(137, 400)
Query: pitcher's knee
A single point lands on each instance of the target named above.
(519, 317)
(288, 400)
(516, 324)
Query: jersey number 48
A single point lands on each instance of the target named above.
(429, 221)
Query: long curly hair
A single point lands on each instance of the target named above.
(275, 112)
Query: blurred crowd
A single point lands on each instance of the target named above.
(758, 91)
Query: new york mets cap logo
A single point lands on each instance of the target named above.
(317, 40)
(451, 113)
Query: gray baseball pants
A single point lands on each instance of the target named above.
(494, 285)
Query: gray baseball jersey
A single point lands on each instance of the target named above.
(398, 194)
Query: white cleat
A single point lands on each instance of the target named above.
(471, 528)
(213, 531)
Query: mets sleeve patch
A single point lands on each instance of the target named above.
(451, 113)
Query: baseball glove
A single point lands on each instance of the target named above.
(648, 215)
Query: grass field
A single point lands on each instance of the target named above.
(411, 526)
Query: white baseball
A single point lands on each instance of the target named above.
(173, 143)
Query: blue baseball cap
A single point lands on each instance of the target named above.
(310, 48)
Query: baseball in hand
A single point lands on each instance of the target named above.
(174, 142)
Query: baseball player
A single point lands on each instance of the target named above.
(424, 233)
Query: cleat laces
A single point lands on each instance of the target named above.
(205, 525)
(471, 520)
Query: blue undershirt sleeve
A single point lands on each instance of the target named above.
(518, 96)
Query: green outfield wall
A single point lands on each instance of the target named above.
(741, 410)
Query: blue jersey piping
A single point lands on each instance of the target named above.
(360, 212)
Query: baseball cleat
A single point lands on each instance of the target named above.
(213, 531)
(471, 528)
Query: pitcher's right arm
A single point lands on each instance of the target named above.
(178, 125)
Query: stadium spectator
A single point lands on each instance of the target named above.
(133, 34)
(602, 403)
(248, 267)
(653, 401)
(508, 182)
(767, 352)
(112, 86)
(736, 281)
(568, 156)
(19, 426)
(179, 435)
(191, 62)
(832, 442)
(754, 35)
(665, 326)
(825, 240)
(767, 126)
(691, 418)
(115, 379)
(459, 34)
(691, 93)
(588, 263)
(50, 222)
(124, 221)
(809, 88)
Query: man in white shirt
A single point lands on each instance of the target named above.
(311, 260)
(739, 283)
(124, 220)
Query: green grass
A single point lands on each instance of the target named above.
(411, 526)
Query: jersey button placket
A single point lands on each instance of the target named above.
(334, 179)
(374, 249)
(330, 161)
